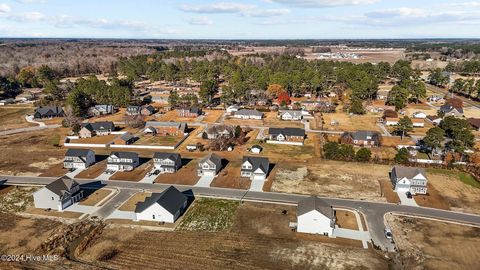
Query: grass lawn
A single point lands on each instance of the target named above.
(132, 202)
(14, 117)
(95, 196)
(158, 140)
(464, 177)
(209, 215)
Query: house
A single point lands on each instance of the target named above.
(318, 105)
(122, 161)
(126, 138)
(434, 119)
(291, 115)
(248, 114)
(435, 98)
(255, 168)
(104, 109)
(209, 165)
(134, 110)
(89, 130)
(475, 123)
(390, 121)
(191, 147)
(78, 158)
(58, 195)
(233, 108)
(451, 110)
(165, 128)
(166, 206)
(7, 101)
(191, 112)
(256, 149)
(316, 216)
(148, 110)
(409, 179)
(418, 122)
(419, 115)
(167, 162)
(362, 138)
(286, 134)
(48, 112)
(218, 131)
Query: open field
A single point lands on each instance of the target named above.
(136, 175)
(93, 171)
(16, 199)
(243, 122)
(158, 140)
(280, 153)
(332, 178)
(94, 196)
(209, 215)
(187, 175)
(229, 177)
(31, 153)
(258, 237)
(272, 120)
(348, 122)
(14, 117)
(172, 116)
(211, 116)
(96, 139)
(427, 244)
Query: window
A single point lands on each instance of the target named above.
(53, 199)
(153, 216)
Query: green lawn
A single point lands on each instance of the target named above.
(464, 177)
(210, 215)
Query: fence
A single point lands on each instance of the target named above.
(285, 142)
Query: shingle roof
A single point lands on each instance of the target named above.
(249, 112)
(178, 125)
(314, 203)
(287, 131)
(170, 199)
(448, 108)
(99, 126)
(213, 158)
(162, 155)
(258, 162)
(362, 135)
(127, 136)
(128, 155)
(46, 109)
(77, 152)
(407, 172)
(61, 185)
(294, 113)
(475, 122)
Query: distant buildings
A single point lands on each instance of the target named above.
(104, 109)
(248, 114)
(218, 131)
(165, 129)
(191, 112)
(286, 134)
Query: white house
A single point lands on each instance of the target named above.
(58, 195)
(167, 162)
(248, 114)
(166, 206)
(256, 149)
(122, 161)
(417, 122)
(391, 121)
(409, 179)
(315, 215)
(255, 168)
(233, 108)
(419, 115)
(291, 115)
(78, 158)
(209, 165)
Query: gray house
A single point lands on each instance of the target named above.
(96, 129)
(255, 168)
(78, 158)
(409, 179)
(58, 195)
(248, 114)
(48, 112)
(450, 110)
(134, 110)
(218, 131)
(209, 165)
(103, 109)
(167, 162)
(122, 161)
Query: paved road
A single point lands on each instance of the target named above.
(108, 208)
(28, 129)
(373, 211)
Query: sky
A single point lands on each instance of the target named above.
(248, 19)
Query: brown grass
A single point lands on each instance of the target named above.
(56, 170)
(211, 116)
(136, 175)
(14, 117)
(272, 120)
(187, 175)
(96, 197)
(96, 139)
(93, 171)
(348, 122)
(388, 192)
(346, 220)
(130, 204)
(229, 177)
(53, 213)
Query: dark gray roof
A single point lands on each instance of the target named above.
(127, 136)
(171, 156)
(129, 155)
(407, 172)
(212, 157)
(61, 185)
(448, 108)
(150, 108)
(249, 112)
(314, 203)
(46, 109)
(77, 152)
(258, 162)
(257, 146)
(364, 135)
(287, 131)
(99, 126)
(171, 199)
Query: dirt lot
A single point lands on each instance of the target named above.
(31, 153)
(136, 175)
(332, 178)
(158, 140)
(53, 213)
(426, 244)
(173, 116)
(94, 196)
(348, 122)
(130, 204)
(93, 171)
(346, 220)
(14, 117)
(258, 238)
(187, 175)
(211, 116)
(229, 177)
(271, 120)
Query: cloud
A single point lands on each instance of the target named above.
(199, 21)
(473, 4)
(31, 1)
(4, 8)
(27, 17)
(246, 10)
(323, 3)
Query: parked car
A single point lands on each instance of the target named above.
(409, 194)
(388, 234)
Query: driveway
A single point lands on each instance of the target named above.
(149, 179)
(353, 234)
(117, 214)
(257, 185)
(85, 209)
(405, 200)
(74, 173)
(104, 176)
(114, 203)
(205, 181)
(30, 119)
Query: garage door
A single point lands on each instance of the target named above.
(403, 187)
(258, 177)
(209, 173)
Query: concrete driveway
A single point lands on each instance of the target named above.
(104, 176)
(149, 179)
(117, 214)
(353, 234)
(85, 209)
(257, 185)
(205, 181)
(74, 173)
(405, 200)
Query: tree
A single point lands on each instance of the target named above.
(434, 137)
(275, 89)
(79, 102)
(284, 99)
(438, 78)
(9, 88)
(26, 77)
(398, 97)
(356, 106)
(331, 150)
(363, 155)
(45, 74)
(208, 88)
(52, 89)
(418, 90)
(173, 99)
(134, 121)
(459, 130)
(404, 125)
(402, 156)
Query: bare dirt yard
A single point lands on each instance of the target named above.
(346, 122)
(229, 177)
(130, 204)
(158, 140)
(31, 153)
(187, 175)
(96, 139)
(136, 175)
(257, 237)
(92, 197)
(14, 117)
(332, 178)
(56, 170)
(272, 120)
(93, 171)
(427, 244)
(346, 220)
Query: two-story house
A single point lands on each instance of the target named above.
(78, 158)
(165, 128)
(286, 134)
(134, 110)
(218, 131)
(89, 130)
(48, 112)
(248, 114)
(58, 195)
(409, 179)
(191, 112)
(290, 115)
(362, 138)
(167, 162)
(103, 109)
(148, 110)
(122, 161)
(209, 165)
(255, 168)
